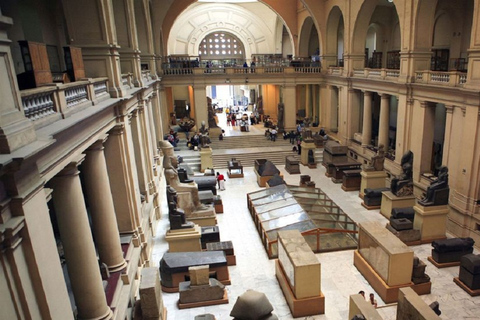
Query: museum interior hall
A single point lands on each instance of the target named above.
(239, 159)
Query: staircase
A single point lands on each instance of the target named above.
(190, 157)
(248, 148)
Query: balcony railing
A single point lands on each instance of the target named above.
(442, 78)
(377, 73)
(59, 100)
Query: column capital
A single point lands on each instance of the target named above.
(367, 93)
(71, 169)
(385, 96)
(425, 104)
(118, 129)
(11, 237)
(449, 109)
(97, 145)
(410, 101)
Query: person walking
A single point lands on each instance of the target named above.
(220, 181)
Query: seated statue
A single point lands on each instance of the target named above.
(171, 175)
(176, 216)
(377, 160)
(204, 140)
(403, 184)
(438, 191)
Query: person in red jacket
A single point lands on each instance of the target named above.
(220, 181)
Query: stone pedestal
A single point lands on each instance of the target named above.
(204, 217)
(431, 221)
(390, 201)
(184, 240)
(306, 146)
(151, 295)
(206, 158)
(358, 305)
(372, 180)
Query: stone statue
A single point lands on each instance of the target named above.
(438, 191)
(176, 215)
(403, 184)
(171, 175)
(377, 160)
(212, 123)
(281, 115)
(260, 105)
(306, 122)
(204, 141)
(203, 129)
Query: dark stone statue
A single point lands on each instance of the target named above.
(176, 215)
(402, 185)
(212, 123)
(311, 157)
(260, 105)
(281, 115)
(438, 191)
(204, 141)
(377, 160)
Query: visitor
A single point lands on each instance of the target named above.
(373, 301)
(273, 134)
(252, 67)
(220, 181)
(234, 119)
(245, 67)
(362, 293)
(229, 119)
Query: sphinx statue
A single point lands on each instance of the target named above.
(377, 160)
(176, 215)
(438, 191)
(402, 185)
(171, 175)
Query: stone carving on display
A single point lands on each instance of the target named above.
(201, 288)
(171, 175)
(402, 185)
(418, 273)
(176, 215)
(438, 191)
(451, 250)
(204, 140)
(212, 123)
(377, 161)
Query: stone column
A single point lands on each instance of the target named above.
(82, 264)
(122, 172)
(200, 97)
(104, 221)
(422, 131)
(289, 99)
(448, 134)
(138, 143)
(157, 115)
(367, 118)
(384, 121)
(164, 115)
(16, 130)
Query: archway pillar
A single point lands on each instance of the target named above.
(352, 62)
(367, 118)
(290, 100)
(473, 75)
(422, 132)
(328, 60)
(410, 62)
(200, 98)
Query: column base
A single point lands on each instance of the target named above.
(118, 267)
(107, 316)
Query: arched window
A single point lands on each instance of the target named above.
(221, 45)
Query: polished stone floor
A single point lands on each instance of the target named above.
(339, 277)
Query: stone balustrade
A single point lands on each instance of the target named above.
(442, 78)
(51, 102)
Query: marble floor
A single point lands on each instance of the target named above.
(339, 276)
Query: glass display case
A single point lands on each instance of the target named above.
(300, 265)
(323, 224)
(385, 253)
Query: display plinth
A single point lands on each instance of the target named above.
(184, 240)
(306, 146)
(203, 221)
(372, 180)
(409, 237)
(299, 307)
(262, 180)
(180, 277)
(206, 158)
(391, 201)
(358, 305)
(443, 265)
(462, 285)
(224, 300)
(369, 207)
(389, 294)
(431, 221)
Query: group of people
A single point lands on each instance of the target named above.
(371, 298)
(172, 137)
